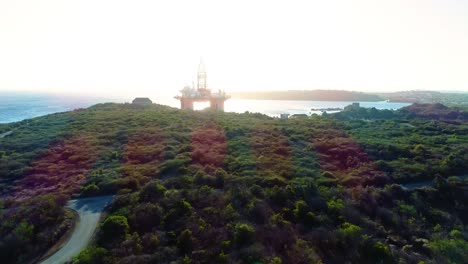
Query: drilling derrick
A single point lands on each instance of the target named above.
(201, 80)
(190, 95)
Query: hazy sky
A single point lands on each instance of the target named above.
(141, 47)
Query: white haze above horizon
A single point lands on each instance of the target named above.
(145, 48)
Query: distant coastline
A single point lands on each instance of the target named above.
(17, 106)
(309, 95)
(447, 98)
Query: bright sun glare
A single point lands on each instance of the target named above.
(153, 47)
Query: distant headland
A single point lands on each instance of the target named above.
(309, 95)
(340, 95)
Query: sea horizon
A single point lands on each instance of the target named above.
(18, 106)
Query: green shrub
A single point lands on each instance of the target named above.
(92, 255)
(115, 226)
(223, 258)
(152, 192)
(185, 241)
(229, 213)
(243, 234)
(378, 252)
(275, 260)
(301, 209)
(90, 189)
(450, 250)
(350, 232)
(335, 205)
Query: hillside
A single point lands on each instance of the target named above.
(210, 187)
(446, 98)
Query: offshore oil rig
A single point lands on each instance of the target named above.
(190, 95)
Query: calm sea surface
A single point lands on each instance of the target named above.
(19, 106)
(276, 107)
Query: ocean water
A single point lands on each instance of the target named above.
(19, 106)
(277, 107)
(16, 106)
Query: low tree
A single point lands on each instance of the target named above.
(185, 241)
(115, 227)
(243, 234)
(92, 255)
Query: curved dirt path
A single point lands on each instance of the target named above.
(6, 134)
(89, 211)
(416, 185)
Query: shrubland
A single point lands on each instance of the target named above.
(211, 187)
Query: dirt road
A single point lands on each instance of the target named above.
(89, 211)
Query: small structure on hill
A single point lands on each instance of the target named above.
(299, 116)
(142, 101)
(190, 95)
(353, 106)
(284, 116)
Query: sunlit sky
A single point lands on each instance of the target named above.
(152, 47)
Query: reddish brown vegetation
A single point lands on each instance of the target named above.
(143, 154)
(340, 155)
(61, 169)
(209, 146)
(272, 152)
(435, 111)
